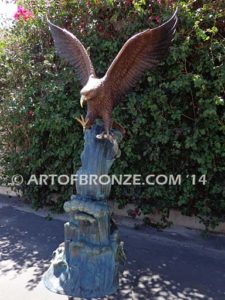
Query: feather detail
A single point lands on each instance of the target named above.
(73, 51)
(144, 51)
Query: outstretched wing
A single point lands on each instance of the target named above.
(142, 52)
(72, 50)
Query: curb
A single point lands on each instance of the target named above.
(10, 198)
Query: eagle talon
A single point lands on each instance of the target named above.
(83, 122)
(110, 137)
(106, 136)
(101, 136)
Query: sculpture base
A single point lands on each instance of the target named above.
(88, 263)
(96, 275)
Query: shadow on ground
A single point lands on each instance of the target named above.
(156, 268)
(28, 241)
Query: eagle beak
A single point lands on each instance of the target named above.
(82, 100)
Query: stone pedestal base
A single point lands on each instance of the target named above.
(87, 264)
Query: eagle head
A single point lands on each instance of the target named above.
(91, 90)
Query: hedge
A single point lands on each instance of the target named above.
(174, 117)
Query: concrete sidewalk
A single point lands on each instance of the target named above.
(162, 265)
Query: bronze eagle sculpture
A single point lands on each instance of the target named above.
(143, 51)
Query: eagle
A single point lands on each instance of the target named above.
(142, 52)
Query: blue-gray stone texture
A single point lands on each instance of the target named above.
(89, 261)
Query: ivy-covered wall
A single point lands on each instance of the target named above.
(174, 117)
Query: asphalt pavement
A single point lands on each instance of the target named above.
(164, 265)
